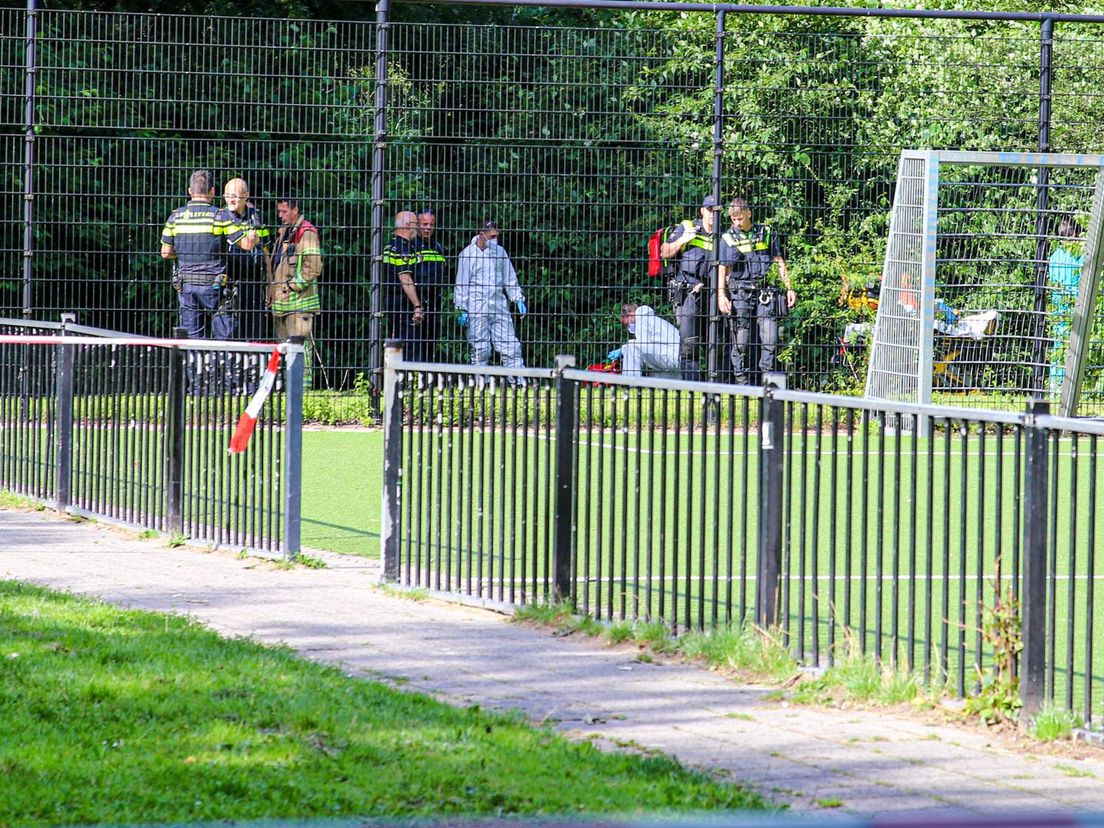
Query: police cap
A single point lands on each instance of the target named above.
(709, 202)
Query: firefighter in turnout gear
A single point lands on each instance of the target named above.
(744, 292)
(293, 291)
(692, 243)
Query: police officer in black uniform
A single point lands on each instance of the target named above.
(692, 242)
(430, 277)
(744, 294)
(197, 237)
(401, 296)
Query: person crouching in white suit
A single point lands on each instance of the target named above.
(654, 347)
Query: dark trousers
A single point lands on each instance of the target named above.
(199, 308)
(422, 343)
(746, 309)
(689, 310)
(207, 372)
(246, 274)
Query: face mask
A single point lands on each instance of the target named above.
(632, 327)
(492, 242)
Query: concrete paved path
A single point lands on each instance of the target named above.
(862, 763)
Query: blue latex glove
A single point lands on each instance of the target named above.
(948, 312)
(462, 318)
(522, 308)
(614, 355)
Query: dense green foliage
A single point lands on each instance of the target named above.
(580, 130)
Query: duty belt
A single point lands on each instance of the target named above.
(766, 292)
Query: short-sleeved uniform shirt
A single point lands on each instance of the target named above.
(251, 220)
(693, 259)
(199, 232)
(400, 256)
(748, 253)
(430, 270)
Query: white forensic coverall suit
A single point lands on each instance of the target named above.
(484, 279)
(655, 347)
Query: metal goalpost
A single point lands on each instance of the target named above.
(989, 292)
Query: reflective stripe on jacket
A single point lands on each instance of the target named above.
(297, 266)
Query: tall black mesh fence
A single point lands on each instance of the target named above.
(579, 142)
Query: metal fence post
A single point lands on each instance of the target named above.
(293, 447)
(392, 460)
(1042, 202)
(563, 549)
(713, 330)
(1032, 666)
(64, 419)
(174, 497)
(771, 449)
(379, 161)
(29, 160)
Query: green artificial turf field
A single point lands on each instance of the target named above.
(478, 512)
(342, 490)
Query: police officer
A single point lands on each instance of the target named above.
(692, 242)
(744, 292)
(402, 300)
(196, 236)
(429, 276)
(248, 271)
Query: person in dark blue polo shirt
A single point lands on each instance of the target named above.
(196, 236)
(401, 293)
(248, 271)
(429, 276)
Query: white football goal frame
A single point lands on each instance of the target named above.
(902, 357)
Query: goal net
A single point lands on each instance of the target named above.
(989, 288)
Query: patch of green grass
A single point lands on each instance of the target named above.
(411, 594)
(148, 534)
(176, 539)
(1052, 723)
(586, 625)
(310, 561)
(656, 635)
(562, 619)
(830, 802)
(10, 500)
(1069, 770)
(550, 614)
(619, 631)
(115, 716)
(859, 677)
(746, 649)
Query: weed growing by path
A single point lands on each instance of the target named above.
(1051, 724)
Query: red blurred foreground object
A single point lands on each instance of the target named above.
(605, 368)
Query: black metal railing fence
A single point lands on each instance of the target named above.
(136, 431)
(578, 139)
(853, 527)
